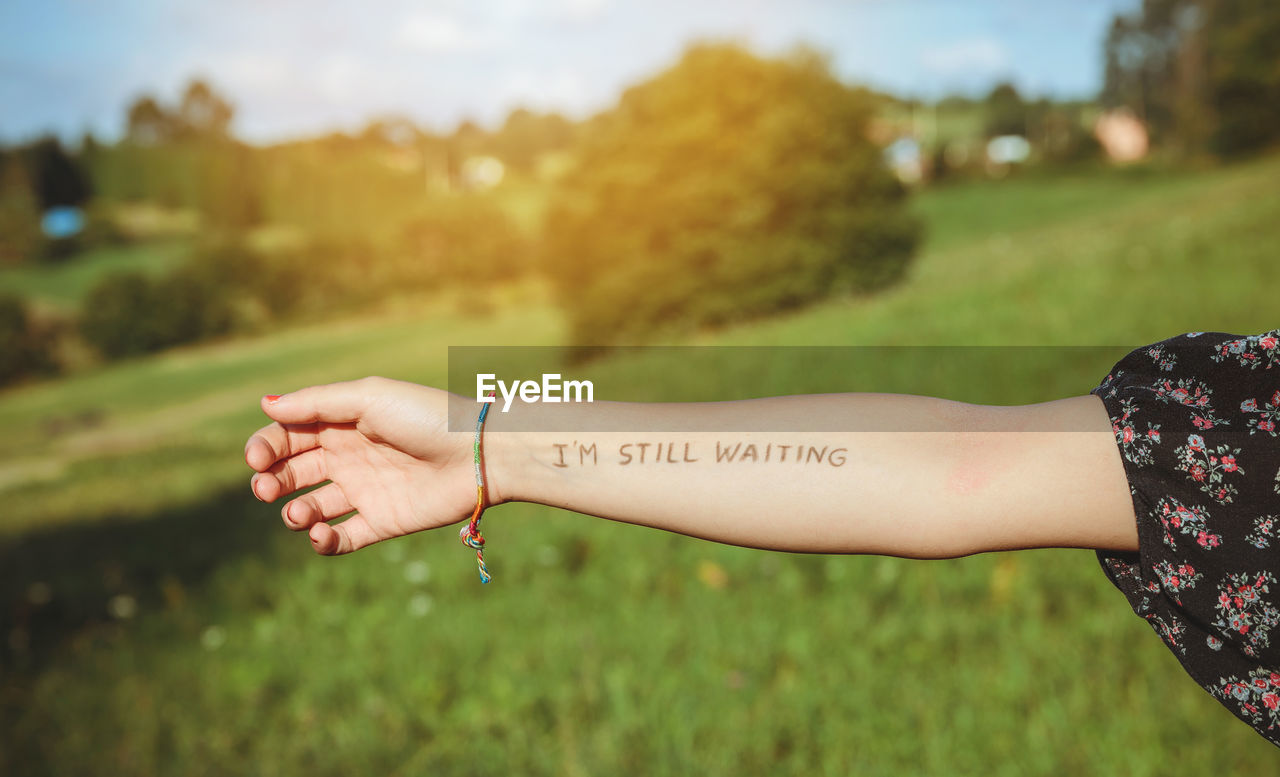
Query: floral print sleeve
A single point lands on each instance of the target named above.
(1197, 424)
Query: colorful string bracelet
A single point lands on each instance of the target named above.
(470, 534)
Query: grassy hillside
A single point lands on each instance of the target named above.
(63, 285)
(160, 620)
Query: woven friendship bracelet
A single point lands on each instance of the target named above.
(470, 534)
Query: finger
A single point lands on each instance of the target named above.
(277, 441)
(333, 402)
(339, 538)
(287, 476)
(323, 504)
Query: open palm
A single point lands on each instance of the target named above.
(385, 448)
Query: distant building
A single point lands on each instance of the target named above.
(1008, 150)
(482, 172)
(62, 222)
(1122, 135)
(905, 159)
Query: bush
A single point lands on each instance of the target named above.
(116, 318)
(101, 227)
(222, 287)
(465, 238)
(188, 305)
(26, 347)
(322, 275)
(1066, 140)
(729, 186)
(130, 313)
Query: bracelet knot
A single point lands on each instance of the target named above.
(470, 533)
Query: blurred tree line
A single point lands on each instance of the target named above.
(957, 129)
(1203, 74)
(35, 178)
(1059, 130)
(183, 156)
(726, 187)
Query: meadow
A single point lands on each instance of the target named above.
(62, 287)
(160, 620)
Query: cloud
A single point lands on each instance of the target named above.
(974, 55)
(559, 89)
(581, 9)
(436, 33)
(341, 77)
(524, 11)
(250, 72)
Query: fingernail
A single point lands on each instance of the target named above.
(273, 398)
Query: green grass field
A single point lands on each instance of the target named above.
(62, 285)
(159, 620)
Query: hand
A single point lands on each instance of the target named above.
(386, 449)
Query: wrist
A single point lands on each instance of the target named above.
(508, 460)
(500, 471)
(519, 458)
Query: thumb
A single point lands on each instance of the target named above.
(336, 403)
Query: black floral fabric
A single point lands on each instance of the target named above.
(1197, 422)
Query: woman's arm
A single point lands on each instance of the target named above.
(985, 478)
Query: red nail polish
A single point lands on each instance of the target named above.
(272, 398)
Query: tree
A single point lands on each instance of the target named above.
(1242, 46)
(1200, 73)
(89, 143)
(20, 235)
(463, 238)
(203, 114)
(726, 187)
(147, 123)
(58, 178)
(203, 165)
(229, 194)
(468, 139)
(1148, 68)
(1006, 111)
(392, 131)
(116, 317)
(526, 135)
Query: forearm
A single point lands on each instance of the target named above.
(982, 478)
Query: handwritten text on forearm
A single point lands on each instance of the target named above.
(575, 453)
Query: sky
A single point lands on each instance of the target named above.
(294, 68)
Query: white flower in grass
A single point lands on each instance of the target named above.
(122, 606)
(420, 605)
(213, 638)
(417, 571)
(548, 556)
